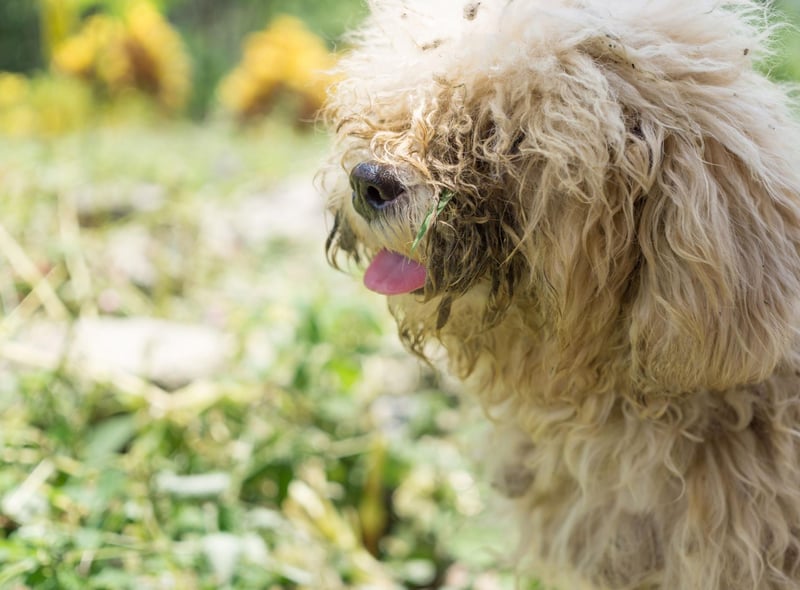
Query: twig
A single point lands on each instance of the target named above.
(80, 276)
(15, 502)
(28, 306)
(28, 271)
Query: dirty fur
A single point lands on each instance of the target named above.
(616, 275)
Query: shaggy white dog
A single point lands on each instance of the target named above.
(594, 207)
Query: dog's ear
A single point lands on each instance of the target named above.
(714, 302)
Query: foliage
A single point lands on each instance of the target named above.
(286, 59)
(20, 49)
(787, 64)
(214, 31)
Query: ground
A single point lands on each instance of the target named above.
(191, 398)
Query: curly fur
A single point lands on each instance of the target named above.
(617, 274)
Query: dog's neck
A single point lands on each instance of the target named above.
(524, 362)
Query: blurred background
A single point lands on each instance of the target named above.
(189, 396)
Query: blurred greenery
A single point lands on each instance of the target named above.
(213, 31)
(20, 49)
(320, 457)
(787, 66)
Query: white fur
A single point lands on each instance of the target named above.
(617, 274)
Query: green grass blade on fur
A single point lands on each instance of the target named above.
(434, 212)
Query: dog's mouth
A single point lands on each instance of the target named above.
(391, 273)
(378, 194)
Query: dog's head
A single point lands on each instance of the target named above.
(617, 171)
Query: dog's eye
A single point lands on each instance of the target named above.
(633, 123)
(515, 145)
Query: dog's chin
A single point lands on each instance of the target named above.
(392, 273)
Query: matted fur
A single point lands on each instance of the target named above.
(617, 272)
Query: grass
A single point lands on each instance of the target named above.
(319, 457)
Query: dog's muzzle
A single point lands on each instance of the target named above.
(375, 187)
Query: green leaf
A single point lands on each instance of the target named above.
(434, 212)
(109, 437)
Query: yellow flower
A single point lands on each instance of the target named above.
(157, 60)
(286, 58)
(139, 52)
(45, 105)
(14, 89)
(79, 55)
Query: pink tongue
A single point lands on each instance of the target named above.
(391, 273)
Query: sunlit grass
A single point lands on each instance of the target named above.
(319, 456)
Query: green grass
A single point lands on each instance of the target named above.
(303, 464)
(787, 66)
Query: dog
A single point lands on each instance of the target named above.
(593, 207)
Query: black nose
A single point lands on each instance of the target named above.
(375, 186)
